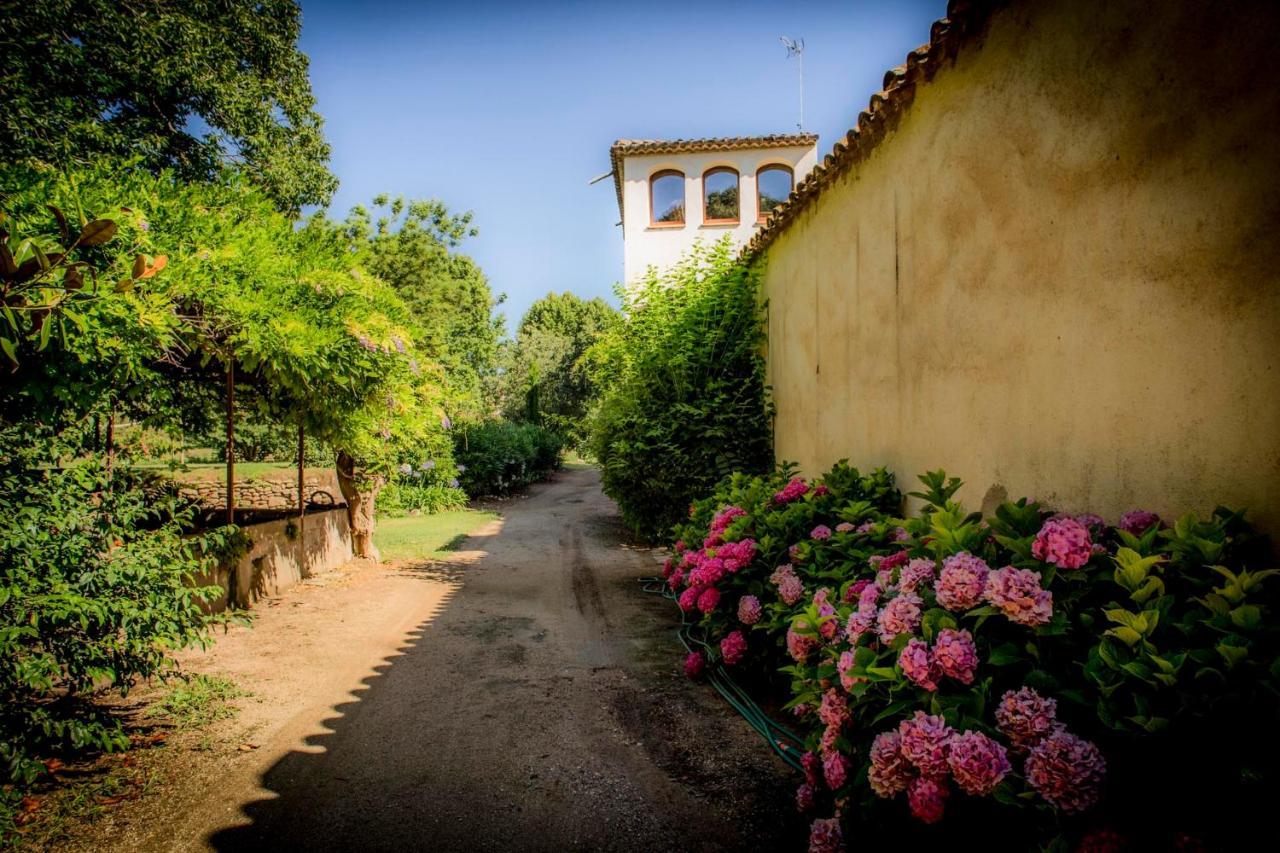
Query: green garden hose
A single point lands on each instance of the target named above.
(781, 740)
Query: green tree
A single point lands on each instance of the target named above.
(191, 85)
(412, 245)
(553, 336)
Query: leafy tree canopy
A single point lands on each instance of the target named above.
(191, 85)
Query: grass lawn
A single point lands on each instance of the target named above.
(427, 537)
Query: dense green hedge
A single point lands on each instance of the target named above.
(684, 400)
(500, 457)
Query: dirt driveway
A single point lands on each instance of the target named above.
(524, 696)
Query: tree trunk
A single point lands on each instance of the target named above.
(361, 493)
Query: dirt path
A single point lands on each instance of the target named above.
(525, 696)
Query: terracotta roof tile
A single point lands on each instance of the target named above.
(629, 147)
(965, 18)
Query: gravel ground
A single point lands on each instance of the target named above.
(524, 696)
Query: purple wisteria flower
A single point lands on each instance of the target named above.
(977, 763)
(960, 585)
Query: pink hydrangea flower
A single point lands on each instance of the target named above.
(916, 572)
(859, 623)
(725, 517)
(800, 646)
(890, 772)
(1025, 717)
(1067, 771)
(791, 589)
(955, 654)
(918, 665)
(854, 590)
(689, 598)
(781, 573)
(924, 742)
(677, 577)
(880, 562)
(825, 836)
(733, 647)
(811, 764)
(668, 566)
(821, 490)
(694, 664)
(795, 553)
(804, 798)
(827, 743)
(835, 770)
(749, 610)
(1064, 542)
(900, 534)
(1018, 594)
(977, 763)
(820, 532)
(845, 666)
(844, 527)
(928, 799)
(793, 490)
(867, 527)
(963, 579)
(708, 600)
(869, 599)
(679, 545)
(834, 710)
(1138, 521)
(899, 616)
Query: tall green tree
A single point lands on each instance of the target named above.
(549, 373)
(412, 245)
(191, 85)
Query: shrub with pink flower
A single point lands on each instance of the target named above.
(820, 533)
(749, 610)
(844, 666)
(928, 799)
(924, 740)
(793, 490)
(804, 798)
(826, 836)
(1097, 524)
(918, 665)
(890, 772)
(835, 770)
(834, 710)
(1025, 717)
(781, 573)
(694, 664)
(1064, 542)
(977, 763)
(708, 600)
(800, 646)
(1138, 521)
(867, 527)
(955, 654)
(854, 590)
(1018, 595)
(899, 616)
(1067, 771)
(880, 562)
(844, 527)
(733, 647)
(960, 585)
(677, 578)
(791, 589)
(916, 572)
(689, 598)
(725, 517)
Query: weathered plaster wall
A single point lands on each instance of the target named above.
(646, 245)
(1059, 275)
(275, 562)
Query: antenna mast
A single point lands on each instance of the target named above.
(795, 47)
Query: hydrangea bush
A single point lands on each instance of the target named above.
(1076, 681)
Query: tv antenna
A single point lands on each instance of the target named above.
(795, 47)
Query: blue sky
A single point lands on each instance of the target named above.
(508, 109)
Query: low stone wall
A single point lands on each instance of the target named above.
(272, 565)
(274, 491)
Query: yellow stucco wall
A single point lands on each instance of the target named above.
(1059, 276)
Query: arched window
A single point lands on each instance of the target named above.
(720, 196)
(773, 185)
(666, 198)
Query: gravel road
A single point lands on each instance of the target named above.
(526, 696)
